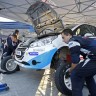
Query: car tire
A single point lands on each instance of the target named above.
(7, 65)
(61, 82)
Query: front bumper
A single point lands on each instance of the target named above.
(21, 64)
(40, 59)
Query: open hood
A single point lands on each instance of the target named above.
(44, 18)
(70, 11)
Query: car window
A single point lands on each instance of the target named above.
(83, 29)
(78, 31)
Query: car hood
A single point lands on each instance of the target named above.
(44, 18)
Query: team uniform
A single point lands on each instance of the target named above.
(86, 69)
(10, 46)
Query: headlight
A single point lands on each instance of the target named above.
(43, 42)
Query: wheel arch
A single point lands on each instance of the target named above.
(60, 54)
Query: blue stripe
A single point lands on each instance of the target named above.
(44, 60)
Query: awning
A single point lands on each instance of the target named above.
(14, 25)
(71, 11)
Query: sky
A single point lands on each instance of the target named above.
(2, 19)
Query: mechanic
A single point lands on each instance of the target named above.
(16, 33)
(12, 43)
(84, 70)
(9, 40)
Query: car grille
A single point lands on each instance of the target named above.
(22, 53)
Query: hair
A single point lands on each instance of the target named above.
(16, 32)
(15, 36)
(67, 32)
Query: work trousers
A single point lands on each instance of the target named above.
(82, 73)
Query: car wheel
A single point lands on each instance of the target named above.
(8, 65)
(63, 84)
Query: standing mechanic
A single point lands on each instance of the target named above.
(11, 45)
(16, 33)
(85, 70)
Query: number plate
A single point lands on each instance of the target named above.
(18, 52)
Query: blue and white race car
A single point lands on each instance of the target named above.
(47, 50)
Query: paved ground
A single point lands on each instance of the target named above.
(32, 83)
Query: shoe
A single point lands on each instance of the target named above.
(18, 69)
(4, 89)
(3, 85)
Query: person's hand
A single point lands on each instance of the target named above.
(67, 75)
(13, 56)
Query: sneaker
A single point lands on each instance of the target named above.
(18, 69)
(4, 89)
(3, 85)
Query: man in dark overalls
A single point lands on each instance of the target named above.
(86, 69)
(12, 43)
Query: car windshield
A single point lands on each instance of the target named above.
(28, 41)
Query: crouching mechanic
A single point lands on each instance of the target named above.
(85, 70)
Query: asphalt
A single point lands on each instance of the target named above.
(28, 82)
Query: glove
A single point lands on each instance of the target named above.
(67, 75)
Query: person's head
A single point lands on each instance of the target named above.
(66, 35)
(14, 38)
(16, 33)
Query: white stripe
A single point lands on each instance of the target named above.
(86, 61)
(73, 44)
(84, 51)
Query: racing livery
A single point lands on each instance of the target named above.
(48, 48)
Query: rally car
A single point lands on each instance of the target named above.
(46, 50)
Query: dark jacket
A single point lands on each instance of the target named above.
(11, 46)
(81, 46)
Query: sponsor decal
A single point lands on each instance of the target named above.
(39, 50)
(33, 53)
(18, 53)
